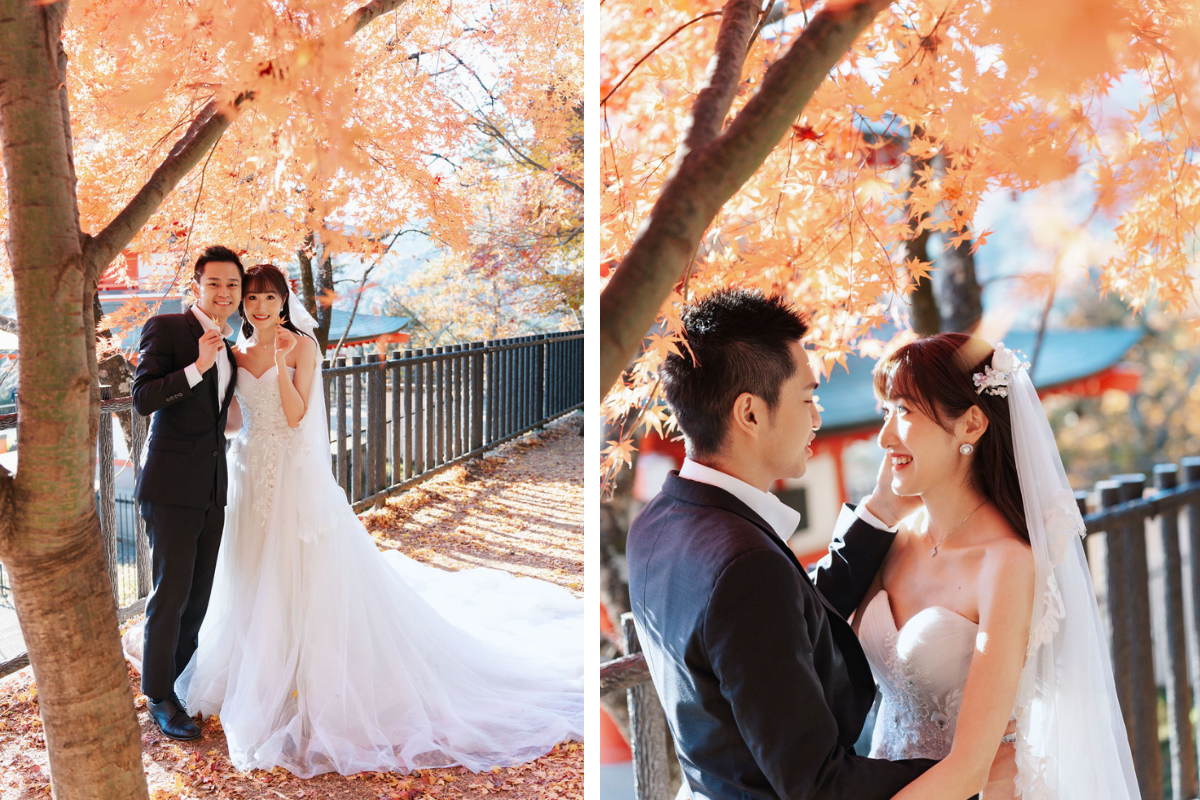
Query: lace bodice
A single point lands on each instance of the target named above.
(921, 670)
(262, 410)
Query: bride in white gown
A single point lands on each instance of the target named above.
(322, 654)
(984, 610)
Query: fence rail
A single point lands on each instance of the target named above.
(393, 423)
(1131, 528)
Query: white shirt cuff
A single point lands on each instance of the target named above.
(872, 520)
(193, 375)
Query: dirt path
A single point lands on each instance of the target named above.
(519, 509)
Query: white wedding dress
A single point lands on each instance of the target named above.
(921, 670)
(322, 654)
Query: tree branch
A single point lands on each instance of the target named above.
(202, 134)
(489, 129)
(7, 324)
(713, 167)
(738, 20)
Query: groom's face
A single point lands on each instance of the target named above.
(793, 425)
(219, 289)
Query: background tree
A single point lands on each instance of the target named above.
(271, 103)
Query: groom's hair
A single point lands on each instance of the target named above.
(216, 252)
(737, 340)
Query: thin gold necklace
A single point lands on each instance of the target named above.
(933, 550)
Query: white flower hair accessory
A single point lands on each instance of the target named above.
(997, 377)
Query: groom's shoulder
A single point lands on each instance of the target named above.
(164, 322)
(679, 523)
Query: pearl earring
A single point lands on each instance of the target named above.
(966, 449)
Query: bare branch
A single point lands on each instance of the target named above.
(654, 50)
(490, 129)
(712, 167)
(202, 134)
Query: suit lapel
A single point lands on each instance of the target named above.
(232, 376)
(210, 376)
(704, 494)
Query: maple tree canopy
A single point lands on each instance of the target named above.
(460, 121)
(1008, 96)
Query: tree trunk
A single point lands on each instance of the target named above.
(50, 539)
(959, 294)
(324, 290)
(49, 532)
(715, 160)
(925, 317)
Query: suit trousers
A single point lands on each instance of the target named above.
(184, 543)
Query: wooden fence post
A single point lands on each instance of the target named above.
(1146, 757)
(1179, 690)
(476, 436)
(647, 729)
(138, 426)
(108, 496)
(1191, 474)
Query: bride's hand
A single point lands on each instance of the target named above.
(285, 340)
(885, 504)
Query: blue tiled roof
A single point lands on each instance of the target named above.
(365, 328)
(1066, 356)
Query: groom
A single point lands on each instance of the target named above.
(763, 681)
(185, 377)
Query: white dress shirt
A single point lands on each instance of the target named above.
(224, 371)
(782, 518)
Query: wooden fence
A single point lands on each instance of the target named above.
(393, 423)
(1131, 526)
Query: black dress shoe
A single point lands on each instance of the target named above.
(172, 720)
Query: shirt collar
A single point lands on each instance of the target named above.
(782, 518)
(209, 324)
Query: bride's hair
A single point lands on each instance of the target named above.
(935, 375)
(260, 279)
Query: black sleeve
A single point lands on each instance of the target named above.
(756, 633)
(156, 383)
(855, 556)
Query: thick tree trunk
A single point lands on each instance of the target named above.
(50, 538)
(713, 163)
(50, 535)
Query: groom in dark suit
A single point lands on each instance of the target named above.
(185, 378)
(763, 681)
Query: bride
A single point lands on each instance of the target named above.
(984, 609)
(321, 654)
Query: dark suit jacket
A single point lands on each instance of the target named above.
(763, 681)
(185, 460)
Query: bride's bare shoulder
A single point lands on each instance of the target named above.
(1007, 554)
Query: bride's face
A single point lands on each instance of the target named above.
(262, 309)
(924, 455)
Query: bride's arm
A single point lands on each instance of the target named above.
(233, 418)
(1005, 609)
(294, 393)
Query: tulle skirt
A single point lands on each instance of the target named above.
(320, 653)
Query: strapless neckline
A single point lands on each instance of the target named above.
(921, 668)
(264, 374)
(891, 618)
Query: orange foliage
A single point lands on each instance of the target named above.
(350, 140)
(1013, 95)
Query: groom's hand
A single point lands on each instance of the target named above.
(1003, 776)
(211, 343)
(885, 504)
